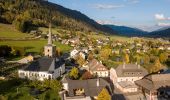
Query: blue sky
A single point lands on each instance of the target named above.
(145, 14)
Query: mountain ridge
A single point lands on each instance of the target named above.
(38, 12)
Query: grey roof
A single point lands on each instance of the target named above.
(43, 64)
(130, 70)
(127, 84)
(90, 86)
(154, 82)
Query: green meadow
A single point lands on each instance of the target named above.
(8, 31)
(34, 45)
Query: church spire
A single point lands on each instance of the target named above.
(50, 35)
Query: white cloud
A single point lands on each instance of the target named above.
(161, 17)
(107, 6)
(105, 22)
(164, 24)
(132, 1)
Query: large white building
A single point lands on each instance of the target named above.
(47, 67)
(124, 76)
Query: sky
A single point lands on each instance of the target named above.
(148, 15)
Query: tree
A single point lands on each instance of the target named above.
(163, 57)
(156, 67)
(104, 95)
(46, 84)
(87, 75)
(90, 56)
(2, 97)
(126, 58)
(5, 51)
(74, 73)
(58, 52)
(80, 60)
(105, 53)
(146, 59)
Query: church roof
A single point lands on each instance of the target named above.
(43, 64)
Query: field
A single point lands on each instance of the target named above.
(112, 37)
(8, 31)
(34, 46)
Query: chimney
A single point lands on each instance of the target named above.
(136, 63)
(124, 64)
(100, 61)
(138, 66)
(98, 83)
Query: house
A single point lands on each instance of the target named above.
(74, 41)
(167, 46)
(97, 68)
(124, 76)
(155, 86)
(47, 67)
(84, 89)
(26, 60)
(74, 53)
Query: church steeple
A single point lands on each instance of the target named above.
(50, 35)
(50, 48)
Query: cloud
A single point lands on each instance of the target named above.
(132, 1)
(105, 22)
(164, 24)
(161, 17)
(107, 6)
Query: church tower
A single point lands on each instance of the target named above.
(50, 48)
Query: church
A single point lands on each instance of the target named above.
(46, 67)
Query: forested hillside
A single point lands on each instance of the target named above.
(26, 15)
(128, 31)
(161, 33)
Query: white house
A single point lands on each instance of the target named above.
(73, 53)
(47, 67)
(124, 75)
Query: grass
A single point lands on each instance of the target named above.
(35, 46)
(112, 37)
(8, 31)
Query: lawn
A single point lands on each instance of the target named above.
(35, 46)
(8, 31)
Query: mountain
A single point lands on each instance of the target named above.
(28, 14)
(163, 32)
(127, 31)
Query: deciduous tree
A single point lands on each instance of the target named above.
(104, 95)
(74, 73)
(87, 75)
(163, 57)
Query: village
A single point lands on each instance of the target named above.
(117, 70)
